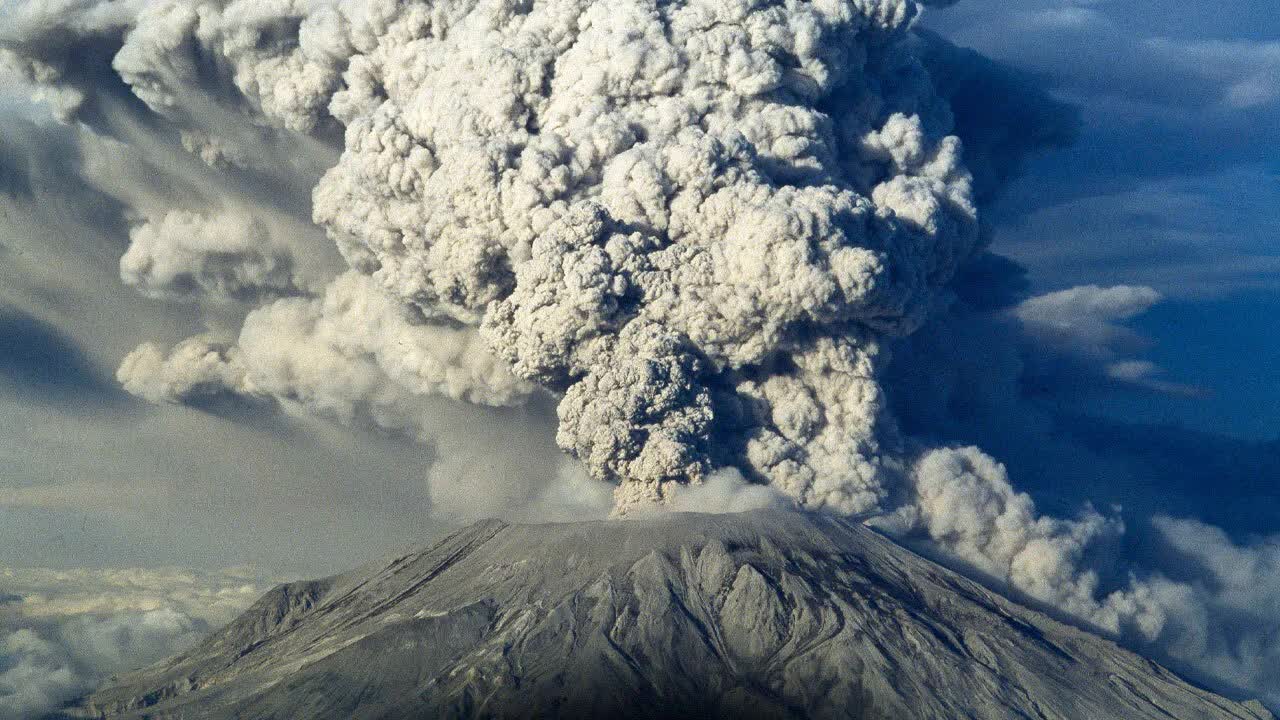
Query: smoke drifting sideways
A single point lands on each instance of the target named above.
(721, 238)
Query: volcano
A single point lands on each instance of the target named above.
(767, 614)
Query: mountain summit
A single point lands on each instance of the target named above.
(767, 614)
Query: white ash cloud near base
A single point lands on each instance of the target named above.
(703, 230)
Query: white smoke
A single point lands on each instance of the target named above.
(726, 491)
(196, 367)
(230, 256)
(697, 226)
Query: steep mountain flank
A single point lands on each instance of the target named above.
(761, 615)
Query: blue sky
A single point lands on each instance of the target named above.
(1173, 182)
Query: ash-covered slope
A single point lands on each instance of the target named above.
(766, 614)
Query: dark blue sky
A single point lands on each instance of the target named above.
(1173, 183)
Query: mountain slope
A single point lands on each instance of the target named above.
(765, 614)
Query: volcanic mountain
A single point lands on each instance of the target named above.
(768, 614)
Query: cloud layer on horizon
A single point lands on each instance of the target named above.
(64, 631)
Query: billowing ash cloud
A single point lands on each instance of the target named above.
(693, 221)
(349, 348)
(701, 228)
(196, 366)
(680, 217)
(228, 256)
(334, 350)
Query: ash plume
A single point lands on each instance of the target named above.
(692, 221)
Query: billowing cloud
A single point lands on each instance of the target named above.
(194, 367)
(350, 351)
(615, 220)
(335, 351)
(64, 631)
(1222, 603)
(965, 504)
(732, 143)
(228, 256)
(1203, 602)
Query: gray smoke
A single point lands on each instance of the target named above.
(658, 221)
(692, 221)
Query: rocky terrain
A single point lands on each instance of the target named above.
(768, 614)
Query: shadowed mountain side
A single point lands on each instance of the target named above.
(761, 615)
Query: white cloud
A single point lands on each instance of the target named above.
(226, 256)
(1087, 316)
(1245, 71)
(1085, 327)
(63, 631)
(1074, 17)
